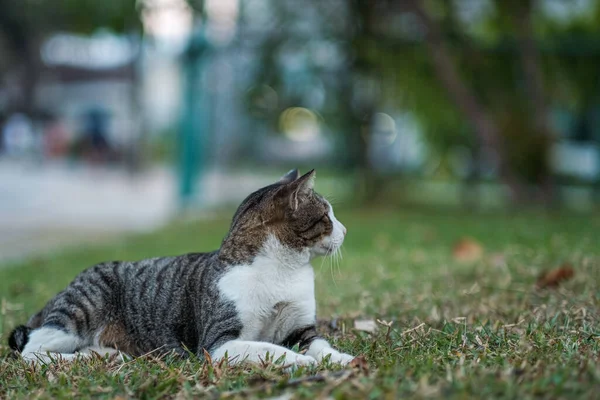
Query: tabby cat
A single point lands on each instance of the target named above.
(252, 297)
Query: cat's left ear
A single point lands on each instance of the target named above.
(291, 176)
(293, 192)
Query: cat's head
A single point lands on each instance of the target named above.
(289, 213)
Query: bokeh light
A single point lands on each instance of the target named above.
(299, 124)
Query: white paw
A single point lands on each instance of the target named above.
(48, 358)
(294, 361)
(291, 358)
(340, 358)
(300, 359)
(101, 351)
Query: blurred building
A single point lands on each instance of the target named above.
(90, 84)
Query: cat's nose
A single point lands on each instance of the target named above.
(344, 230)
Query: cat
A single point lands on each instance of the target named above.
(252, 297)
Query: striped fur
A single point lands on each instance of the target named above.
(255, 295)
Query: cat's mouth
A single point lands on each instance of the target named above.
(332, 243)
(327, 247)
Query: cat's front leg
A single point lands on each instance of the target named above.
(316, 347)
(238, 351)
(321, 349)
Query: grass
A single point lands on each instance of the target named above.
(445, 328)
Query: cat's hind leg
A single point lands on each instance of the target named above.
(49, 339)
(238, 351)
(101, 351)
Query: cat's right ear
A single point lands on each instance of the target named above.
(291, 194)
(289, 177)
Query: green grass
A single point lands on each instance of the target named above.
(455, 330)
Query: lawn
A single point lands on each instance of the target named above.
(445, 327)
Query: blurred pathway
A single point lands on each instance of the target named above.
(51, 206)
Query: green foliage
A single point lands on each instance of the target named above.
(487, 56)
(84, 16)
(410, 84)
(448, 329)
(87, 15)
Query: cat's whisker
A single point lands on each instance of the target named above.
(334, 261)
(327, 254)
(323, 261)
(330, 254)
(332, 265)
(341, 259)
(331, 268)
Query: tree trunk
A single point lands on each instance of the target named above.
(359, 114)
(534, 84)
(486, 130)
(24, 45)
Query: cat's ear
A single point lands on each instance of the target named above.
(291, 194)
(291, 176)
(305, 183)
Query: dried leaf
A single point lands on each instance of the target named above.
(555, 276)
(360, 363)
(207, 356)
(467, 250)
(365, 325)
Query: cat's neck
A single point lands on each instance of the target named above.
(285, 257)
(271, 252)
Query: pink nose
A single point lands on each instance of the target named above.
(344, 230)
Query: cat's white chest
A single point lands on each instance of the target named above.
(272, 301)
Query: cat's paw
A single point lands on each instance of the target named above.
(301, 360)
(340, 358)
(295, 361)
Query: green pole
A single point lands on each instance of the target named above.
(192, 122)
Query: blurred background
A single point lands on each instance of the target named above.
(116, 115)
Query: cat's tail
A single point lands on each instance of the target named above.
(19, 337)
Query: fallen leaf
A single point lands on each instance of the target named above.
(207, 356)
(467, 250)
(365, 325)
(360, 363)
(555, 276)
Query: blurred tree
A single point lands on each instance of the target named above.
(486, 129)
(325, 42)
(486, 75)
(496, 71)
(360, 92)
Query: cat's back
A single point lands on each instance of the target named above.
(117, 278)
(157, 270)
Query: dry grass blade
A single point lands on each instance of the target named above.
(413, 329)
